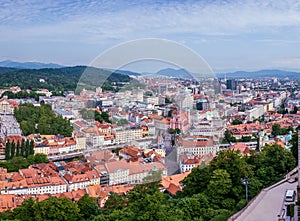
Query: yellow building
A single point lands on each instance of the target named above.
(41, 150)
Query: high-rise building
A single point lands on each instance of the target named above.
(202, 104)
(231, 84)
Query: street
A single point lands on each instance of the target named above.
(267, 207)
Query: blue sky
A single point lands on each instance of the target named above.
(229, 35)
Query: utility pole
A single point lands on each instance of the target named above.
(246, 183)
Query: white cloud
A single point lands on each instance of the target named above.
(287, 63)
(118, 20)
(109, 22)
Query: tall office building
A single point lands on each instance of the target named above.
(231, 84)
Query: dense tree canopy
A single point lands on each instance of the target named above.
(212, 192)
(96, 115)
(22, 94)
(24, 149)
(228, 136)
(41, 120)
(88, 207)
(50, 209)
(237, 121)
(20, 162)
(63, 79)
(277, 130)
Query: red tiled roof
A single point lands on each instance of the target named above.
(173, 189)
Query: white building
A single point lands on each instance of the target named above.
(124, 135)
(121, 172)
(81, 181)
(187, 162)
(255, 112)
(197, 145)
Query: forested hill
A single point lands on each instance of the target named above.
(60, 79)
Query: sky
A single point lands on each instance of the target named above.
(228, 35)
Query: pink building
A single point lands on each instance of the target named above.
(180, 120)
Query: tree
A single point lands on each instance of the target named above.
(236, 122)
(197, 181)
(220, 183)
(117, 214)
(281, 110)
(60, 209)
(294, 148)
(276, 129)
(149, 93)
(145, 201)
(28, 116)
(228, 136)
(177, 131)
(171, 131)
(219, 187)
(234, 164)
(273, 163)
(246, 138)
(13, 149)
(18, 149)
(40, 158)
(27, 148)
(88, 207)
(167, 100)
(6, 215)
(26, 211)
(295, 110)
(192, 207)
(17, 163)
(115, 202)
(22, 149)
(105, 117)
(7, 150)
(31, 147)
(290, 128)
(153, 176)
(30, 159)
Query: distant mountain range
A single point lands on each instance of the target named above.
(261, 74)
(28, 65)
(179, 73)
(9, 65)
(182, 73)
(129, 73)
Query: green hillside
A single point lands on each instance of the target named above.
(63, 79)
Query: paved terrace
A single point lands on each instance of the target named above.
(267, 205)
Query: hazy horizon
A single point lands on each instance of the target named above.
(229, 35)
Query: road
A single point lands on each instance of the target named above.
(171, 155)
(268, 206)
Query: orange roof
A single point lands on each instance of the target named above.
(196, 141)
(98, 191)
(14, 139)
(173, 189)
(174, 179)
(134, 168)
(9, 201)
(243, 148)
(94, 190)
(130, 150)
